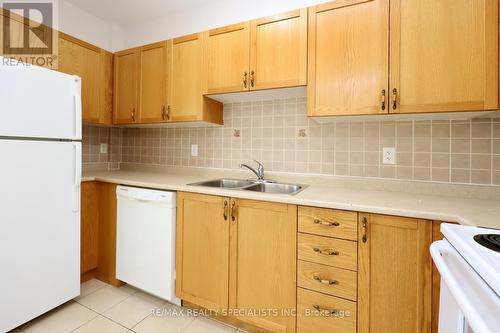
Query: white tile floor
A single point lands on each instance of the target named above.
(102, 308)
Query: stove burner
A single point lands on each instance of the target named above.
(491, 241)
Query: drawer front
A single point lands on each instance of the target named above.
(328, 222)
(325, 314)
(328, 251)
(328, 280)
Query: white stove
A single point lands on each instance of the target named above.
(468, 260)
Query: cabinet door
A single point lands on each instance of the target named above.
(89, 227)
(229, 58)
(444, 55)
(203, 250)
(263, 262)
(106, 110)
(348, 58)
(79, 58)
(153, 90)
(394, 275)
(187, 78)
(278, 54)
(126, 87)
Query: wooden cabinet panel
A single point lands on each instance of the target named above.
(444, 55)
(89, 227)
(263, 262)
(106, 100)
(85, 60)
(327, 280)
(326, 314)
(278, 56)
(328, 251)
(394, 281)
(126, 87)
(153, 91)
(202, 250)
(328, 222)
(348, 57)
(228, 53)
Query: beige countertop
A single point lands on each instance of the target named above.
(346, 195)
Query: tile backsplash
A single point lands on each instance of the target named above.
(278, 133)
(92, 138)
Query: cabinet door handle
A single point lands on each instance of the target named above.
(168, 112)
(382, 100)
(328, 252)
(233, 211)
(163, 113)
(252, 78)
(324, 281)
(328, 311)
(364, 228)
(245, 79)
(226, 210)
(132, 115)
(394, 99)
(326, 223)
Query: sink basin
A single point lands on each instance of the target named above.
(276, 188)
(225, 183)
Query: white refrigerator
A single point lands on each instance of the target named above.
(40, 174)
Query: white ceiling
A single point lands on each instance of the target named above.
(128, 12)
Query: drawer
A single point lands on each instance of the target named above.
(325, 314)
(328, 280)
(328, 251)
(328, 222)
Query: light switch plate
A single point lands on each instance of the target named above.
(389, 155)
(103, 148)
(194, 150)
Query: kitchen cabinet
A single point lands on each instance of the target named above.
(89, 227)
(394, 274)
(402, 57)
(188, 83)
(238, 254)
(202, 250)
(91, 64)
(348, 58)
(266, 53)
(126, 87)
(444, 55)
(153, 82)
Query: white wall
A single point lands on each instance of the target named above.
(212, 14)
(85, 26)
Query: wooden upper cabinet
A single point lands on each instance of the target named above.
(444, 55)
(154, 79)
(202, 262)
(348, 58)
(263, 262)
(394, 275)
(77, 57)
(278, 53)
(228, 54)
(126, 87)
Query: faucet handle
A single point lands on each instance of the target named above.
(260, 169)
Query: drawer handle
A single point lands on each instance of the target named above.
(328, 252)
(324, 281)
(329, 311)
(326, 223)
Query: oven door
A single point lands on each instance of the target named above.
(467, 303)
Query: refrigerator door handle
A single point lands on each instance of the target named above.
(77, 102)
(77, 176)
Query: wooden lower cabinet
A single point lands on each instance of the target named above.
(89, 225)
(394, 275)
(238, 257)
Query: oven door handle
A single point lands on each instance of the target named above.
(471, 293)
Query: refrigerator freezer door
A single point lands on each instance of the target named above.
(37, 102)
(39, 228)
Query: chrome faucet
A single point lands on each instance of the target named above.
(259, 172)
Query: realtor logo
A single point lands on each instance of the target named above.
(29, 32)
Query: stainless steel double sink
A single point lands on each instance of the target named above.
(253, 185)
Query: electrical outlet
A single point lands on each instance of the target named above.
(194, 150)
(103, 148)
(389, 155)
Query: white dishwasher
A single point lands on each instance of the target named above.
(145, 240)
